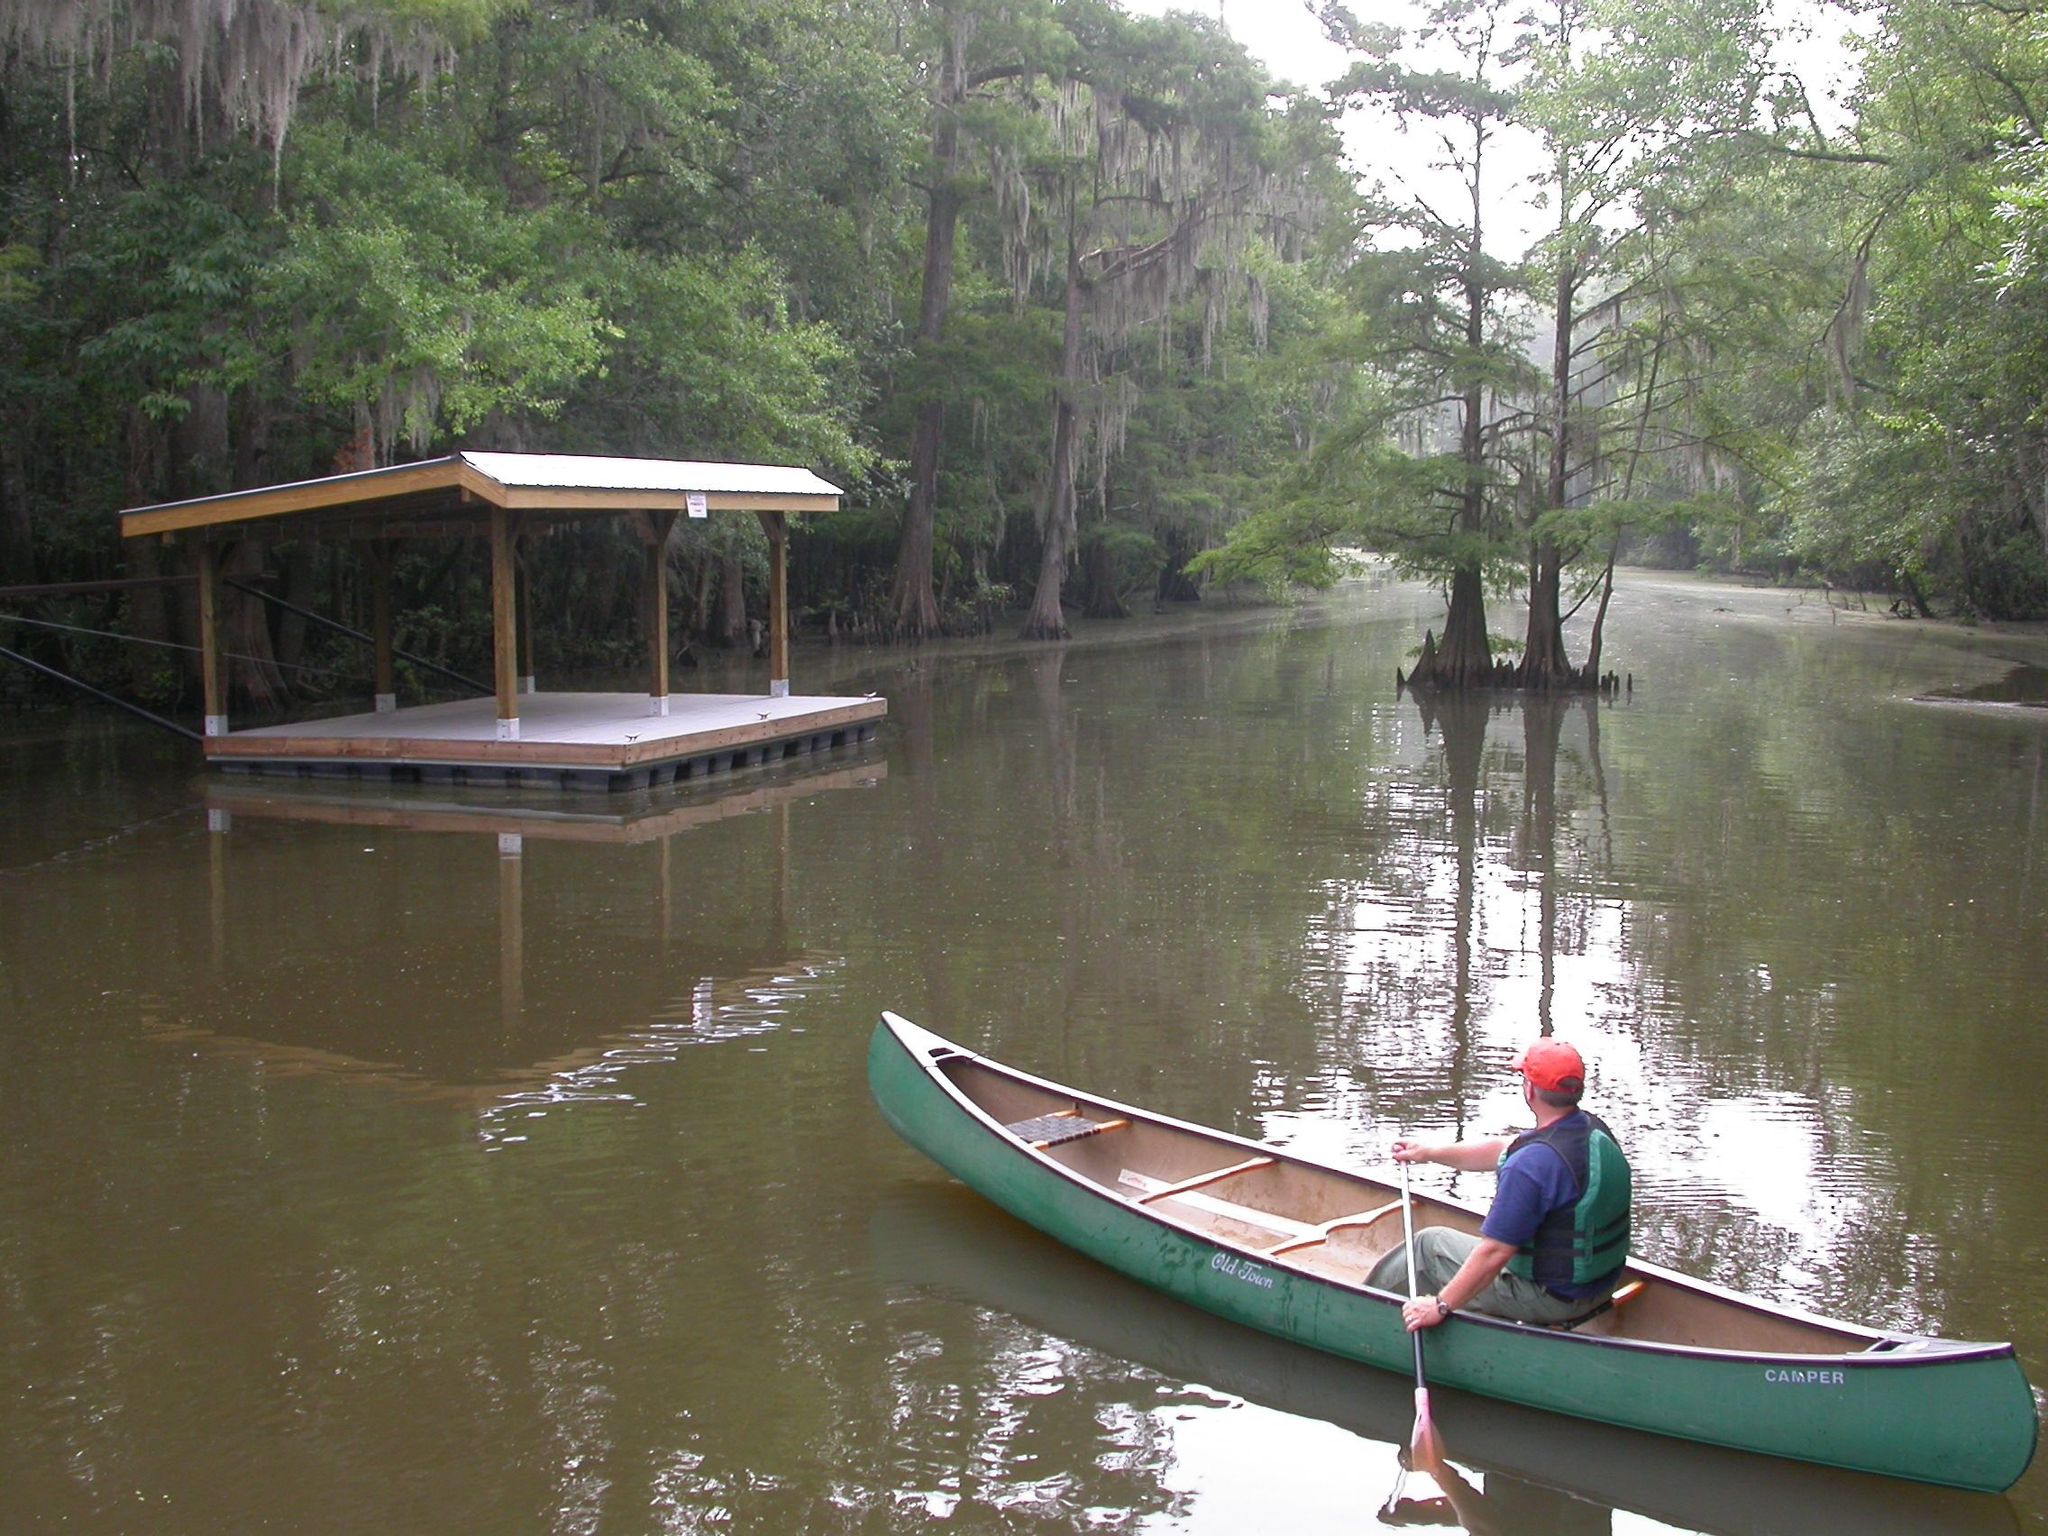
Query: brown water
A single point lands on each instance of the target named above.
(520, 1175)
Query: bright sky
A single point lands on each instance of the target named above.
(1290, 41)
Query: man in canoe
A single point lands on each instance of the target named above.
(1556, 1237)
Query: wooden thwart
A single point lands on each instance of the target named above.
(1215, 1176)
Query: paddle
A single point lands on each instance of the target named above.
(1423, 1445)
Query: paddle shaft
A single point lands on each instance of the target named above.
(1408, 1242)
(1423, 1445)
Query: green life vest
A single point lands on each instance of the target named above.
(1579, 1244)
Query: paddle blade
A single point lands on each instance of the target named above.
(1425, 1448)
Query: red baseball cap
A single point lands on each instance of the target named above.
(1554, 1067)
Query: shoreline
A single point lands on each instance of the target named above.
(843, 660)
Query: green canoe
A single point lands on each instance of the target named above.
(1283, 1243)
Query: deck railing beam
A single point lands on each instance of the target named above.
(82, 588)
(425, 664)
(101, 694)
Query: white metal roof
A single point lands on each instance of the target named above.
(576, 471)
(540, 484)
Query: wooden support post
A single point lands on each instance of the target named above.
(212, 683)
(504, 625)
(776, 525)
(654, 604)
(382, 557)
(529, 681)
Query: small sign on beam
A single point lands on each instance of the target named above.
(694, 501)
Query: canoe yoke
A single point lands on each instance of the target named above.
(1042, 1131)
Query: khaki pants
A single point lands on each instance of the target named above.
(1441, 1252)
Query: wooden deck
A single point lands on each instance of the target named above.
(589, 741)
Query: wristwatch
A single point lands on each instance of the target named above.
(1443, 1308)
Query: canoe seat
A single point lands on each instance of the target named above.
(1043, 1131)
(1342, 1224)
(1622, 1296)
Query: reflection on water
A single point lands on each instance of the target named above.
(717, 1010)
(1225, 1405)
(2022, 685)
(475, 1164)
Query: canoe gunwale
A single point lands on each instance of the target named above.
(1907, 1351)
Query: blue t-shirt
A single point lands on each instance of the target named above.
(1533, 1182)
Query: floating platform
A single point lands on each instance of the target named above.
(622, 820)
(516, 502)
(579, 741)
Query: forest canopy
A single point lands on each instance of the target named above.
(1081, 306)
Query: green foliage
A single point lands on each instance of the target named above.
(187, 262)
(1926, 472)
(419, 305)
(696, 228)
(1133, 554)
(1289, 545)
(689, 228)
(458, 21)
(705, 362)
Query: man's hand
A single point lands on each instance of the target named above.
(1422, 1312)
(1480, 1156)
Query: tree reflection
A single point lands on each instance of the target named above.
(1509, 884)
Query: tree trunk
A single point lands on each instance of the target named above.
(247, 626)
(915, 608)
(150, 609)
(1174, 584)
(1047, 620)
(700, 606)
(299, 584)
(17, 531)
(2036, 490)
(1592, 673)
(1099, 572)
(912, 602)
(732, 607)
(1465, 659)
(246, 633)
(149, 618)
(1544, 664)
